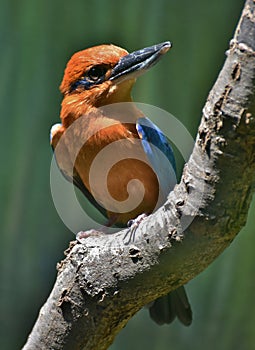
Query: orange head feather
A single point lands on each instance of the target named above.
(101, 75)
(81, 62)
(89, 66)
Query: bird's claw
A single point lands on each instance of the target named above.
(132, 227)
(85, 234)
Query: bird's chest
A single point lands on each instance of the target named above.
(113, 166)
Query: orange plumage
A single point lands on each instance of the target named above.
(96, 84)
(86, 102)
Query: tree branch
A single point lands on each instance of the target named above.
(103, 282)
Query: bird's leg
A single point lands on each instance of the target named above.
(132, 227)
(104, 229)
(89, 233)
(129, 235)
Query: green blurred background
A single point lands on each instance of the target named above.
(37, 38)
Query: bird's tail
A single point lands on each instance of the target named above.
(175, 304)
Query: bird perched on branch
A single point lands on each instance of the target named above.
(106, 146)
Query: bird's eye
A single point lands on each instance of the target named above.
(96, 73)
(93, 76)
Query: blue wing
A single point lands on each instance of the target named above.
(159, 153)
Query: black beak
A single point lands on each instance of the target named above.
(137, 62)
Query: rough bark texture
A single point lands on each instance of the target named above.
(103, 281)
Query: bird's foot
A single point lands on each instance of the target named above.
(85, 234)
(103, 229)
(132, 227)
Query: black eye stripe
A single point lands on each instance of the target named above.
(81, 82)
(94, 76)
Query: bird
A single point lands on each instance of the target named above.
(99, 121)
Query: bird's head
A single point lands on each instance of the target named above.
(104, 74)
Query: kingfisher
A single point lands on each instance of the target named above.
(117, 157)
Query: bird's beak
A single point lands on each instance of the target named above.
(137, 62)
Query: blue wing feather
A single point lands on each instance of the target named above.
(159, 153)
